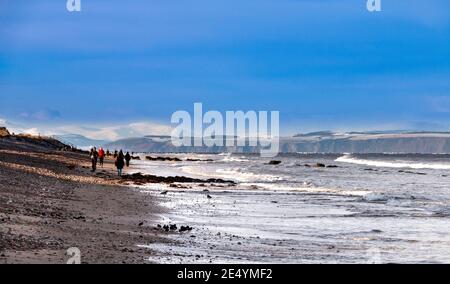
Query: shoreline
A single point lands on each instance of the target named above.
(50, 202)
(306, 214)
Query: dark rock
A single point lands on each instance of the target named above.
(411, 172)
(319, 165)
(332, 166)
(163, 159)
(71, 167)
(185, 229)
(274, 162)
(209, 196)
(199, 160)
(141, 178)
(164, 192)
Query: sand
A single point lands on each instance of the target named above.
(50, 202)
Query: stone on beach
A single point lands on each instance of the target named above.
(163, 159)
(185, 229)
(199, 160)
(141, 178)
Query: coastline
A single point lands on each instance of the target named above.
(50, 202)
(185, 209)
(295, 212)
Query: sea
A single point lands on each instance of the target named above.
(309, 208)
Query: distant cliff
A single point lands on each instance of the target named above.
(386, 144)
(318, 142)
(30, 142)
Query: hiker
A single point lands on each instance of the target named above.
(120, 163)
(94, 157)
(101, 156)
(115, 154)
(108, 153)
(128, 159)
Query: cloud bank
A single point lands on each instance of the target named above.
(99, 132)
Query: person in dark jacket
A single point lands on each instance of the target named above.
(128, 158)
(120, 163)
(94, 157)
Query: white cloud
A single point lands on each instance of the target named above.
(136, 129)
(99, 132)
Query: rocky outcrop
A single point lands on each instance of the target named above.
(33, 143)
(4, 132)
(162, 159)
(139, 178)
(199, 160)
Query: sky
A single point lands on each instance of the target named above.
(126, 66)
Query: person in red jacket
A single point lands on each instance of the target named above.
(101, 156)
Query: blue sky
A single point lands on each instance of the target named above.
(324, 64)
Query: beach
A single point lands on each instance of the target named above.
(50, 202)
(222, 208)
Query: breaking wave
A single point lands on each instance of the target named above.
(244, 176)
(392, 164)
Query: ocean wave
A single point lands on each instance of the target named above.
(306, 187)
(229, 159)
(244, 176)
(391, 164)
(236, 174)
(376, 197)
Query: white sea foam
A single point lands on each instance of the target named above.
(390, 164)
(375, 197)
(244, 176)
(307, 188)
(234, 159)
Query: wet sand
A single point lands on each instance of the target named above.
(50, 202)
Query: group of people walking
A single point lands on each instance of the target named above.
(98, 157)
